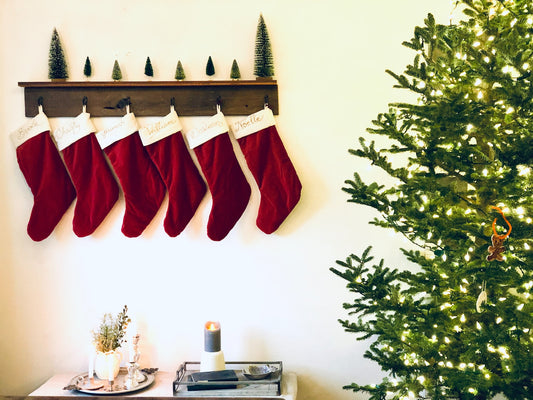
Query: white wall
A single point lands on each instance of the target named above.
(274, 295)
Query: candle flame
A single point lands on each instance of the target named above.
(211, 326)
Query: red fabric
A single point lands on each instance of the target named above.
(275, 175)
(96, 188)
(185, 186)
(49, 182)
(227, 184)
(143, 188)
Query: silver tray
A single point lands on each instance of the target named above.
(79, 382)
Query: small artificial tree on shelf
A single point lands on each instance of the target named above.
(57, 64)
(210, 68)
(180, 73)
(460, 326)
(235, 72)
(116, 75)
(148, 69)
(87, 69)
(263, 61)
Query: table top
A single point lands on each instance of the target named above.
(161, 389)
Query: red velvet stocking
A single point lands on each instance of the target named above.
(45, 174)
(226, 181)
(164, 143)
(96, 188)
(142, 186)
(271, 167)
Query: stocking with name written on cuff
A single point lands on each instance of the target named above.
(271, 167)
(226, 181)
(96, 188)
(164, 143)
(45, 174)
(141, 183)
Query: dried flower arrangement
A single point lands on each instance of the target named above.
(110, 334)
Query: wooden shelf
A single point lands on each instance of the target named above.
(150, 98)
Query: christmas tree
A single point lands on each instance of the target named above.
(210, 68)
(264, 61)
(180, 73)
(148, 69)
(116, 75)
(235, 71)
(459, 157)
(57, 64)
(87, 69)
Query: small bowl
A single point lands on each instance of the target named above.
(256, 372)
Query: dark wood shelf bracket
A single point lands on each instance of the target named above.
(150, 98)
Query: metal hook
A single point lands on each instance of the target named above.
(40, 101)
(84, 103)
(266, 101)
(219, 103)
(172, 103)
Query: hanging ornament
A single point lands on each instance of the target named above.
(497, 248)
(482, 298)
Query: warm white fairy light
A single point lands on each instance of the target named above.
(526, 246)
(478, 325)
(499, 320)
(447, 340)
(520, 306)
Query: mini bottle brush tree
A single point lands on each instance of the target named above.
(210, 68)
(180, 73)
(466, 146)
(263, 61)
(57, 64)
(116, 75)
(87, 68)
(148, 69)
(235, 72)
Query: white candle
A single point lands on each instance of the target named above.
(111, 367)
(91, 362)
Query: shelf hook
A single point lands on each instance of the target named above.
(172, 103)
(40, 104)
(219, 103)
(84, 103)
(266, 101)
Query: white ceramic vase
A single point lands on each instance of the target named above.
(106, 362)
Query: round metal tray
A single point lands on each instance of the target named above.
(79, 381)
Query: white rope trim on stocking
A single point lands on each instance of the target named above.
(126, 127)
(253, 123)
(216, 125)
(31, 128)
(73, 131)
(167, 126)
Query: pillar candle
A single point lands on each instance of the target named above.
(212, 336)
